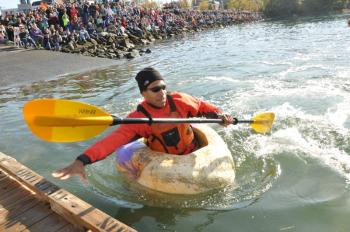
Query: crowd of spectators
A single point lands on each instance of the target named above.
(53, 26)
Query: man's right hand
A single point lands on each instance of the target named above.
(74, 169)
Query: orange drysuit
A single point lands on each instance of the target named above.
(185, 106)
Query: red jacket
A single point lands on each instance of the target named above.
(186, 106)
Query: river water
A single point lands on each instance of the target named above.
(295, 178)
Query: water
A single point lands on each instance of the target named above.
(295, 178)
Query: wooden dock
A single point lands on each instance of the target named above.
(28, 202)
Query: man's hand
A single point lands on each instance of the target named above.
(74, 169)
(227, 119)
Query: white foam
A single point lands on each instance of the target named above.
(293, 140)
(338, 114)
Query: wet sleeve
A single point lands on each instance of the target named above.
(121, 136)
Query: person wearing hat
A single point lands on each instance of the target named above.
(177, 139)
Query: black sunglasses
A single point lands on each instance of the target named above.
(156, 89)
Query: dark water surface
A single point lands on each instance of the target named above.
(293, 179)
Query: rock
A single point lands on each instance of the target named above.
(111, 55)
(102, 56)
(111, 40)
(104, 34)
(71, 46)
(126, 43)
(94, 42)
(151, 38)
(144, 42)
(132, 54)
(134, 39)
(65, 49)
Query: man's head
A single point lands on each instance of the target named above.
(146, 76)
(152, 86)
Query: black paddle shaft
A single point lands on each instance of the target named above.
(117, 121)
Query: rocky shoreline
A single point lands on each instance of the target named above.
(113, 46)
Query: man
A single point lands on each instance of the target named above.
(177, 139)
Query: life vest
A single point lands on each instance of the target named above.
(170, 138)
(65, 20)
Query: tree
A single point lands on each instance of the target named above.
(287, 8)
(204, 5)
(281, 8)
(252, 5)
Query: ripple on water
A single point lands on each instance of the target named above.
(254, 176)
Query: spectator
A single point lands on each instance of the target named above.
(3, 35)
(65, 19)
(25, 37)
(10, 33)
(37, 35)
(47, 43)
(57, 41)
(83, 35)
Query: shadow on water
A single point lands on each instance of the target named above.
(163, 219)
(85, 85)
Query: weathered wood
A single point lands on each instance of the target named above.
(52, 222)
(81, 214)
(14, 196)
(7, 187)
(10, 212)
(67, 228)
(20, 210)
(28, 218)
(80, 210)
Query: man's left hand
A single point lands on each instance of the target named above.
(226, 119)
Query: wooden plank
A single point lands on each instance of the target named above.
(67, 228)
(14, 196)
(53, 222)
(7, 185)
(10, 212)
(15, 202)
(24, 175)
(28, 218)
(2, 175)
(78, 210)
(73, 209)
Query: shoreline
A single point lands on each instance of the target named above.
(131, 45)
(22, 66)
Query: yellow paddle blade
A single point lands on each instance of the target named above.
(262, 123)
(57, 120)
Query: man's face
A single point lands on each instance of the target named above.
(155, 94)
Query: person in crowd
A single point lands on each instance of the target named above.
(37, 35)
(65, 20)
(64, 35)
(16, 39)
(47, 42)
(25, 37)
(10, 33)
(57, 41)
(72, 40)
(3, 35)
(83, 35)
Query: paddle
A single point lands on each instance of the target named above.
(57, 120)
